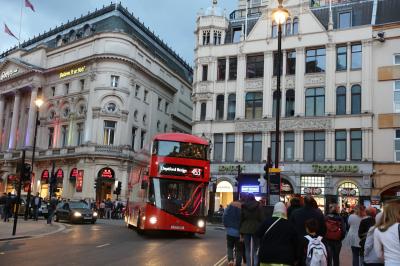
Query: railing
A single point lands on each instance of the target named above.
(241, 13)
(324, 3)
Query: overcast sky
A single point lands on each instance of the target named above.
(172, 20)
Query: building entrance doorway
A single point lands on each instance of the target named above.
(348, 196)
(223, 195)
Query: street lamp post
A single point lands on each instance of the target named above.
(279, 15)
(38, 103)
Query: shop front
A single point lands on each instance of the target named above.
(11, 184)
(224, 194)
(60, 180)
(287, 190)
(104, 182)
(44, 184)
(386, 185)
(348, 196)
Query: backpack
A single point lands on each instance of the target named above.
(333, 229)
(316, 252)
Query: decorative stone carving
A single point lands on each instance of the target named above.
(202, 96)
(92, 76)
(290, 82)
(255, 84)
(287, 125)
(203, 87)
(314, 80)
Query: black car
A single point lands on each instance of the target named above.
(75, 211)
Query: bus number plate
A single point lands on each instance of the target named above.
(177, 227)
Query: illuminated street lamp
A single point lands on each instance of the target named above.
(38, 102)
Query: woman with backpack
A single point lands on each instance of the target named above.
(387, 234)
(278, 239)
(335, 232)
(352, 240)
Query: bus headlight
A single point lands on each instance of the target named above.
(200, 223)
(95, 214)
(153, 220)
(77, 214)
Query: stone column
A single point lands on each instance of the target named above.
(223, 147)
(367, 76)
(298, 142)
(241, 76)
(238, 147)
(348, 87)
(348, 155)
(14, 122)
(330, 80)
(283, 87)
(282, 147)
(330, 145)
(1, 120)
(30, 130)
(299, 87)
(267, 88)
(265, 145)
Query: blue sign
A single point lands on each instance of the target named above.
(250, 188)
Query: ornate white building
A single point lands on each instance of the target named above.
(108, 84)
(328, 96)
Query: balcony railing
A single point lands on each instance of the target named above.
(324, 3)
(241, 13)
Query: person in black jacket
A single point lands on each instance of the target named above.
(295, 204)
(300, 216)
(278, 238)
(365, 225)
(333, 219)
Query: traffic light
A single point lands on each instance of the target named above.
(118, 188)
(53, 184)
(239, 172)
(96, 184)
(26, 172)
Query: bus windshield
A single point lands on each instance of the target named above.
(178, 196)
(180, 149)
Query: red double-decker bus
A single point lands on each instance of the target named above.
(170, 193)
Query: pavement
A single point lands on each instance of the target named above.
(28, 229)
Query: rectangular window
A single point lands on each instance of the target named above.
(291, 63)
(114, 81)
(252, 147)
(159, 103)
(341, 58)
(356, 54)
(396, 96)
(203, 110)
(51, 137)
(315, 60)
(146, 93)
(255, 66)
(221, 68)
(142, 139)
(109, 131)
(236, 33)
(307, 182)
(166, 107)
(79, 134)
(219, 109)
(344, 20)
(289, 146)
(275, 68)
(53, 91)
(64, 136)
(253, 105)
(397, 59)
(206, 37)
(315, 102)
(218, 144)
(356, 145)
(232, 68)
(134, 131)
(340, 145)
(314, 146)
(66, 88)
(230, 148)
(231, 106)
(204, 76)
(137, 90)
(82, 84)
(397, 145)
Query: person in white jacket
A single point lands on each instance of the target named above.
(370, 257)
(387, 235)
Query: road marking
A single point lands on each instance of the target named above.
(2, 253)
(67, 231)
(104, 245)
(221, 261)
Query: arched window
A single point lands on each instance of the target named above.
(348, 189)
(356, 99)
(203, 109)
(231, 106)
(254, 103)
(219, 110)
(295, 29)
(341, 100)
(72, 35)
(58, 40)
(86, 30)
(288, 27)
(289, 103)
(274, 30)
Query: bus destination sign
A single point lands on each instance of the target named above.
(180, 170)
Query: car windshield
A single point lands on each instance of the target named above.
(78, 205)
(180, 149)
(177, 196)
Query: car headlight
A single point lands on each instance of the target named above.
(153, 220)
(200, 223)
(95, 214)
(77, 214)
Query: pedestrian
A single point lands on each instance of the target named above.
(352, 240)
(251, 219)
(345, 217)
(299, 217)
(8, 207)
(2, 204)
(36, 203)
(51, 209)
(231, 221)
(108, 209)
(295, 204)
(335, 232)
(102, 207)
(313, 247)
(387, 234)
(277, 239)
(370, 256)
(365, 225)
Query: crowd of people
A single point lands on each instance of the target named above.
(111, 209)
(300, 234)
